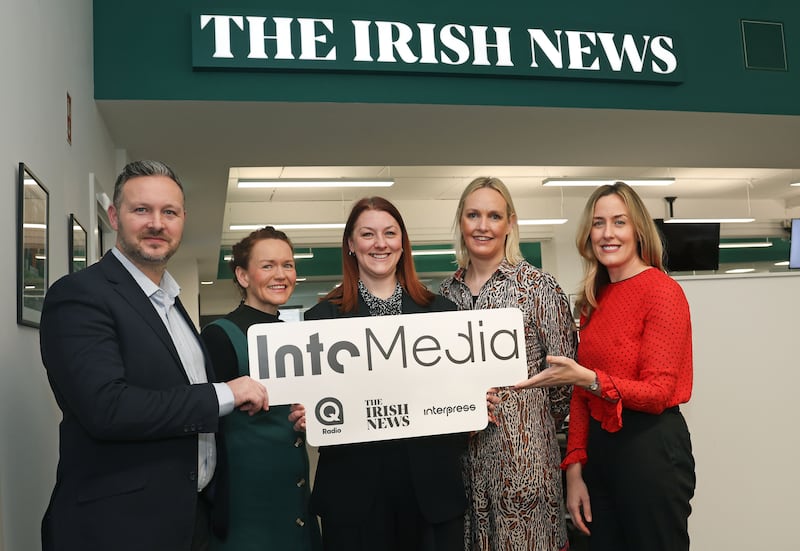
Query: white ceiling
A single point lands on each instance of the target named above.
(719, 160)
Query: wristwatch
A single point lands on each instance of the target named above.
(594, 386)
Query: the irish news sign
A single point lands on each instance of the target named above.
(386, 377)
(230, 39)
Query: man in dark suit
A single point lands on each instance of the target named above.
(137, 443)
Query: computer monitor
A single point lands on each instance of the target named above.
(690, 247)
(794, 244)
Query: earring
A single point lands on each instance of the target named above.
(351, 253)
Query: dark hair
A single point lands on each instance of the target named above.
(242, 250)
(136, 169)
(346, 294)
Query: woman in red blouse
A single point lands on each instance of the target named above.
(629, 464)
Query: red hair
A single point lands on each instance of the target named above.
(346, 294)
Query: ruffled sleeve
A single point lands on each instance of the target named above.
(578, 435)
(607, 408)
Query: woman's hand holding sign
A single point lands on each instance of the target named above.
(297, 415)
(560, 371)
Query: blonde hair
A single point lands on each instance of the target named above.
(512, 252)
(649, 247)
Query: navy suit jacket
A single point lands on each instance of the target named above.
(347, 481)
(127, 469)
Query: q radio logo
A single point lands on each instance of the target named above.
(329, 412)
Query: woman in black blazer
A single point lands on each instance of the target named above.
(406, 494)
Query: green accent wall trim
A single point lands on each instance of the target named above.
(778, 252)
(143, 50)
(327, 261)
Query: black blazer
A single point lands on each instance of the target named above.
(347, 478)
(127, 470)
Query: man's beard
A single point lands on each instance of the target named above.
(138, 254)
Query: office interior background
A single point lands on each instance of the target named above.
(89, 86)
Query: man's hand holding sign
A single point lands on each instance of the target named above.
(380, 378)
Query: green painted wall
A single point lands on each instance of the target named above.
(327, 261)
(143, 51)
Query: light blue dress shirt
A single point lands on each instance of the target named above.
(191, 354)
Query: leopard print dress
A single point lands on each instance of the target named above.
(512, 468)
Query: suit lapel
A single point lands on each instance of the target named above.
(129, 290)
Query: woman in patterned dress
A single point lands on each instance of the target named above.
(512, 466)
(630, 470)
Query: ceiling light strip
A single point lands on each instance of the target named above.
(542, 221)
(311, 183)
(709, 220)
(433, 252)
(595, 182)
(746, 245)
(338, 226)
(252, 227)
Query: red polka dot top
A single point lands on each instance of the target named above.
(639, 342)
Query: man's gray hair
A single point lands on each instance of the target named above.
(136, 169)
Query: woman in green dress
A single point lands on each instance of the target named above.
(262, 489)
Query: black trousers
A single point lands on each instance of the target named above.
(406, 535)
(640, 482)
(394, 521)
(201, 539)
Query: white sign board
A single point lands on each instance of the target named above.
(379, 378)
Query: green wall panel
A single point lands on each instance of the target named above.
(327, 261)
(143, 51)
(778, 252)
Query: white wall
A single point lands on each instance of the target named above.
(185, 272)
(47, 52)
(743, 412)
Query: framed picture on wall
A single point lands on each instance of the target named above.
(77, 241)
(33, 244)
